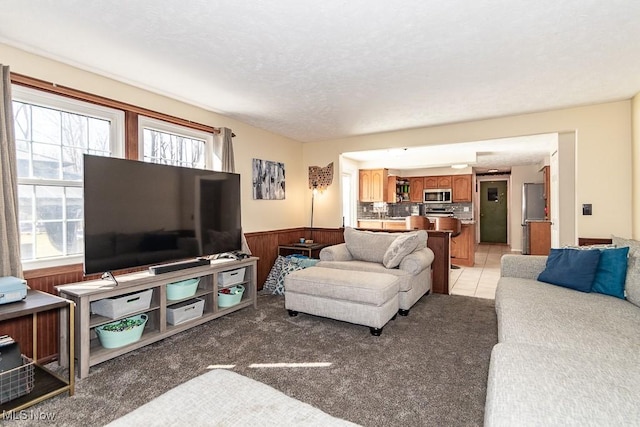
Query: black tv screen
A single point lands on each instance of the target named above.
(138, 214)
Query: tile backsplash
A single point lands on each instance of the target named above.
(384, 210)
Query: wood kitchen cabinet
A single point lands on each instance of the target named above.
(443, 181)
(371, 224)
(461, 188)
(373, 185)
(539, 237)
(463, 246)
(392, 183)
(416, 189)
(546, 173)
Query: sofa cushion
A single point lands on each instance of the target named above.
(552, 316)
(571, 268)
(405, 277)
(536, 386)
(368, 245)
(632, 281)
(402, 246)
(346, 285)
(611, 272)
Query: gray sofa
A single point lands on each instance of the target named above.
(564, 357)
(366, 251)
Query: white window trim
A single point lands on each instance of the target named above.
(116, 146)
(163, 126)
(50, 100)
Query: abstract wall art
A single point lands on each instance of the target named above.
(268, 180)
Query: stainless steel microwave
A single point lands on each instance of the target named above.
(437, 195)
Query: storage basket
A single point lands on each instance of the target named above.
(122, 305)
(183, 289)
(231, 299)
(17, 382)
(115, 339)
(185, 311)
(231, 277)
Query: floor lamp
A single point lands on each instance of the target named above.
(314, 191)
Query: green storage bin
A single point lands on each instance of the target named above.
(229, 300)
(115, 339)
(183, 289)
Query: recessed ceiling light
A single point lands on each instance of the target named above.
(492, 170)
(459, 166)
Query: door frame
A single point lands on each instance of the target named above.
(476, 202)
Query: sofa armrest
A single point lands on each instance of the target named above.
(417, 261)
(336, 253)
(522, 266)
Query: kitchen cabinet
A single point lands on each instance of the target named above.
(546, 172)
(463, 246)
(461, 189)
(539, 237)
(443, 181)
(373, 185)
(416, 189)
(394, 225)
(392, 183)
(370, 224)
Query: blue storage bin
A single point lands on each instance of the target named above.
(183, 289)
(115, 339)
(229, 300)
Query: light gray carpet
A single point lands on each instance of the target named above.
(427, 369)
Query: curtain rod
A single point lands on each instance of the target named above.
(50, 87)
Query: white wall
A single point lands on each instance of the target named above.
(519, 175)
(250, 142)
(636, 166)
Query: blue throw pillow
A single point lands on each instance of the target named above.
(571, 268)
(612, 272)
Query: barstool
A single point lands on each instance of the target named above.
(450, 224)
(417, 222)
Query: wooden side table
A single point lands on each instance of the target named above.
(46, 383)
(311, 250)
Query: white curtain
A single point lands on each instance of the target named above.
(228, 163)
(10, 264)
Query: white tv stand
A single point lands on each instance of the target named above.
(88, 350)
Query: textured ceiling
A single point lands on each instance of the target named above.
(314, 71)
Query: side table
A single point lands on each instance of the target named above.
(46, 383)
(312, 250)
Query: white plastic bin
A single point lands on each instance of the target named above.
(122, 305)
(185, 311)
(231, 277)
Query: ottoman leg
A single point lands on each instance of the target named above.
(375, 331)
(292, 313)
(403, 312)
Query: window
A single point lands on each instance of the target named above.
(52, 134)
(170, 144)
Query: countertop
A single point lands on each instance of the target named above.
(402, 219)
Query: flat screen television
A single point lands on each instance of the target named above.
(138, 214)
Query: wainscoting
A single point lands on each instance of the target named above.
(263, 244)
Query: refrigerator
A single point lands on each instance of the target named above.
(533, 204)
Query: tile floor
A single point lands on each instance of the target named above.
(481, 279)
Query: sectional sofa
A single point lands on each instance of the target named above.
(564, 357)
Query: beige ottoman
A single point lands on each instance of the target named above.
(360, 297)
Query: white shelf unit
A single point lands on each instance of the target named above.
(89, 351)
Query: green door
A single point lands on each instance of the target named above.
(493, 211)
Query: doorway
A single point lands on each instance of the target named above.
(493, 211)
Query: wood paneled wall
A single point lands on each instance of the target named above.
(262, 244)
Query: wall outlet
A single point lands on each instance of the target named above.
(406, 208)
(465, 209)
(364, 209)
